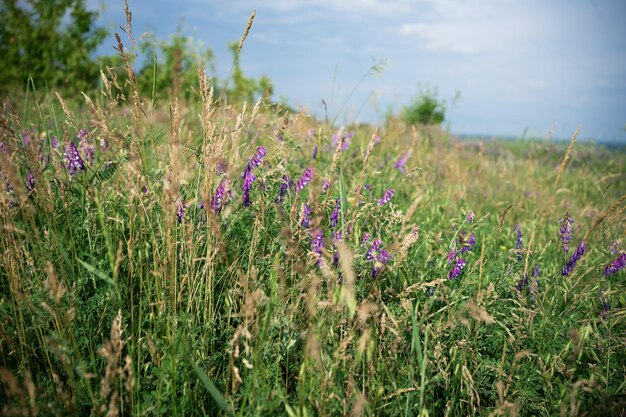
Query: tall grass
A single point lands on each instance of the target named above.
(131, 287)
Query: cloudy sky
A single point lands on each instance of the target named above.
(515, 67)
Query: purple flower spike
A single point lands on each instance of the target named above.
(180, 212)
(30, 182)
(54, 142)
(616, 265)
(325, 185)
(566, 231)
(567, 269)
(248, 177)
(317, 244)
(306, 213)
(334, 217)
(365, 239)
(399, 165)
(255, 161)
(247, 184)
(615, 245)
(470, 217)
(306, 177)
(218, 199)
(314, 152)
(458, 268)
(519, 243)
(606, 307)
(284, 187)
(386, 196)
(26, 137)
(3, 147)
(73, 160)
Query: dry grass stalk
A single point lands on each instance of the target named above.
(565, 158)
(246, 31)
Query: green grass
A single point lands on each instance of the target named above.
(109, 305)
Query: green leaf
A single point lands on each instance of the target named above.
(215, 393)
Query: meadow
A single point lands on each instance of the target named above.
(208, 257)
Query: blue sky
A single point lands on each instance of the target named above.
(519, 66)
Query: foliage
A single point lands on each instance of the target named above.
(51, 41)
(162, 60)
(426, 109)
(244, 88)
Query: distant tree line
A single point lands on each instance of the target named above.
(53, 43)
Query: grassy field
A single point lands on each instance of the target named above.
(209, 258)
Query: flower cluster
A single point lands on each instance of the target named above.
(73, 160)
(305, 216)
(221, 194)
(616, 265)
(30, 182)
(571, 263)
(566, 231)
(334, 216)
(304, 179)
(399, 165)
(247, 175)
(457, 269)
(344, 140)
(284, 187)
(180, 213)
(317, 244)
(378, 256)
(386, 197)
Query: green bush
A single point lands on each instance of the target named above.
(38, 40)
(425, 110)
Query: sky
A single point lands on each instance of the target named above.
(531, 68)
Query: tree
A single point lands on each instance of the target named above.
(425, 109)
(51, 41)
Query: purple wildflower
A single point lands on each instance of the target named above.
(399, 165)
(334, 217)
(305, 216)
(386, 196)
(306, 177)
(315, 152)
(366, 237)
(458, 268)
(606, 307)
(467, 246)
(284, 187)
(220, 167)
(26, 137)
(247, 184)
(325, 185)
(566, 231)
(615, 245)
(567, 269)
(616, 265)
(255, 161)
(248, 177)
(317, 244)
(451, 256)
(30, 182)
(180, 212)
(383, 258)
(103, 145)
(378, 256)
(470, 217)
(279, 137)
(3, 147)
(73, 160)
(372, 252)
(218, 199)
